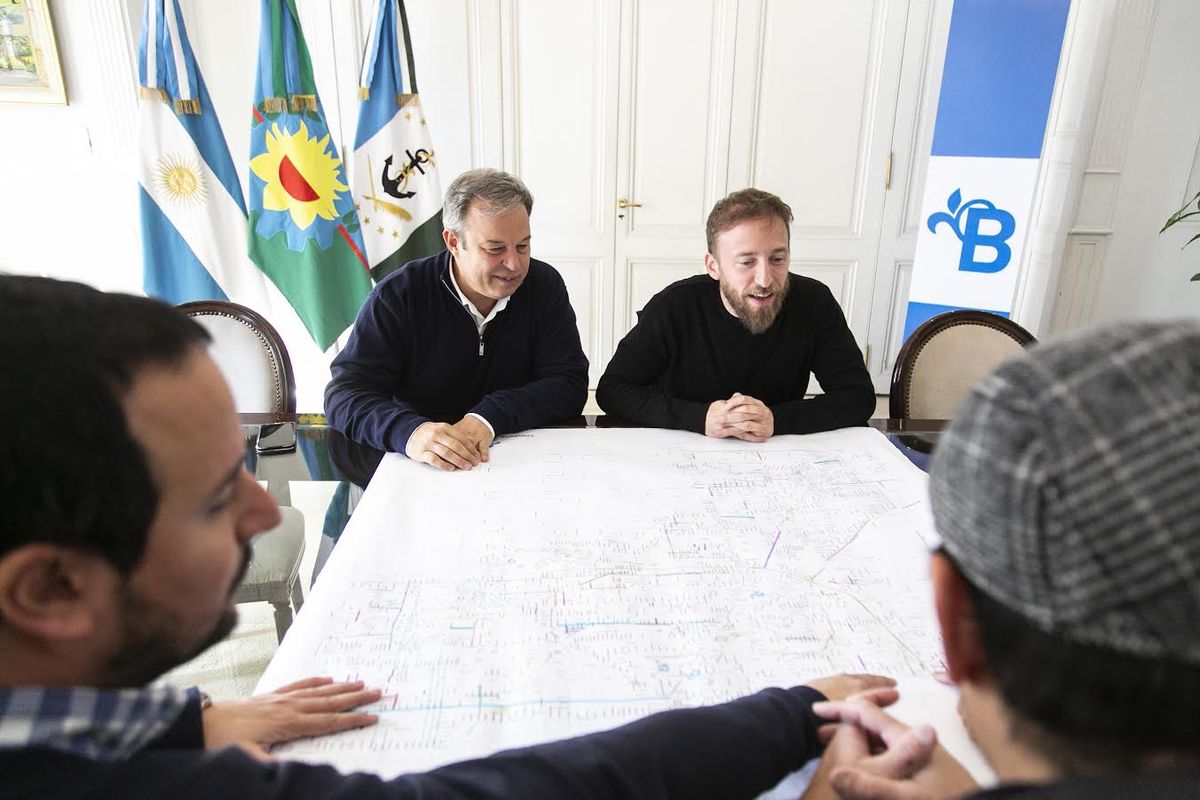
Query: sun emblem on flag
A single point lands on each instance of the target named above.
(179, 178)
(301, 177)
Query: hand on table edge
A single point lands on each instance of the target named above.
(309, 707)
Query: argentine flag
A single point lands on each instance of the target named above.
(192, 207)
(394, 175)
(193, 214)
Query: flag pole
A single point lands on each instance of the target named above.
(412, 64)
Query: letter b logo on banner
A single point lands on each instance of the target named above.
(964, 219)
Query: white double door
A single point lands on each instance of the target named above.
(630, 119)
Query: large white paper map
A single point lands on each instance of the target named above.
(584, 578)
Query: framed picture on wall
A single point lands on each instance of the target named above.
(29, 68)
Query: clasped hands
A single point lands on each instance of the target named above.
(871, 755)
(742, 417)
(462, 445)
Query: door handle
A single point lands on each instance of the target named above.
(624, 203)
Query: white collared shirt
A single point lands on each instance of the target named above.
(481, 322)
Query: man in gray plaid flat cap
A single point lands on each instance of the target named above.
(1067, 496)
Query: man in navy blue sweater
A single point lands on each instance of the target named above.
(453, 350)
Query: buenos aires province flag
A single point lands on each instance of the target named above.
(303, 229)
(394, 171)
(192, 212)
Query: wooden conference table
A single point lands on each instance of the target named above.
(586, 577)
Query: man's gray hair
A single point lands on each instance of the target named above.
(498, 191)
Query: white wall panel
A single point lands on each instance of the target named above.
(1098, 200)
(646, 277)
(819, 72)
(913, 140)
(584, 281)
(839, 276)
(1080, 279)
(562, 66)
(674, 119)
(897, 310)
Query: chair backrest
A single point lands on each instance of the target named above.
(945, 356)
(251, 354)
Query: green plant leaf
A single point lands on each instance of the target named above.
(1175, 218)
(1183, 213)
(1196, 277)
(1178, 216)
(1189, 241)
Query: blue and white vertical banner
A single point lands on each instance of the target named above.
(1001, 62)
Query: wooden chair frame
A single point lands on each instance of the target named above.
(281, 362)
(902, 373)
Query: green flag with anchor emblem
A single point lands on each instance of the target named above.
(394, 176)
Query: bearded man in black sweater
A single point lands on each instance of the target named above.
(730, 353)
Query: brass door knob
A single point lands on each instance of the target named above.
(624, 203)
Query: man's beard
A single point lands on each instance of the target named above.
(756, 320)
(150, 642)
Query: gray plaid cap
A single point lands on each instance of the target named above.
(1067, 488)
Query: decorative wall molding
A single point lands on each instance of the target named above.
(745, 110)
(840, 276)
(720, 100)
(581, 124)
(510, 85)
(1106, 61)
(606, 78)
(1080, 281)
(1097, 201)
(717, 91)
(585, 282)
(901, 279)
(658, 272)
(915, 160)
(1133, 22)
(1104, 54)
(112, 66)
(867, 148)
(485, 87)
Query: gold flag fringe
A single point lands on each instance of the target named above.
(152, 93)
(274, 105)
(187, 106)
(304, 102)
(364, 92)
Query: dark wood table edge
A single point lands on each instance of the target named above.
(885, 425)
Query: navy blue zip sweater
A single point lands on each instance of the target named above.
(416, 356)
(734, 750)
